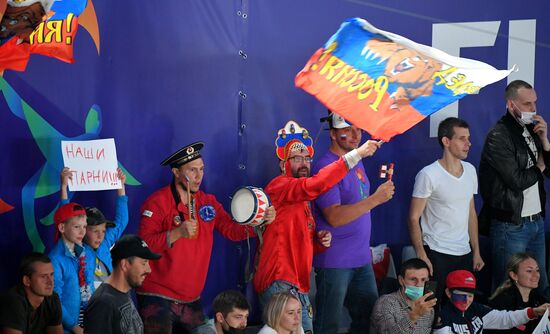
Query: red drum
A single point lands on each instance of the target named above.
(248, 206)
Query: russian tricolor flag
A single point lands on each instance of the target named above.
(385, 83)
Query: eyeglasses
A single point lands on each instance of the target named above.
(300, 159)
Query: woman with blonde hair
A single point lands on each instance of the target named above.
(519, 290)
(283, 315)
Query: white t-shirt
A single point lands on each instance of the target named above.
(268, 330)
(531, 197)
(444, 221)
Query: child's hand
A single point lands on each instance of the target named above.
(66, 175)
(122, 178)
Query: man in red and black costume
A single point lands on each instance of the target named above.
(178, 222)
(286, 253)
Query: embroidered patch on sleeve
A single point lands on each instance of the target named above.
(147, 213)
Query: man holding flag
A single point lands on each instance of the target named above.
(286, 254)
(344, 274)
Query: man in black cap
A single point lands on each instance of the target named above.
(111, 309)
(178, 221)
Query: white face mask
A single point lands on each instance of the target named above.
(526, 117)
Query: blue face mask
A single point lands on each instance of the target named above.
(414, 292)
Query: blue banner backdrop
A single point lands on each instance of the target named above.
(165, 74)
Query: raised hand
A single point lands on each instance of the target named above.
(368, 148)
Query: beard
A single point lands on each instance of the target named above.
(136, 283)
(232, 330)
(301, 172)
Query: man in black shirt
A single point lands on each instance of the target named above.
(111, 310)
(32, 306)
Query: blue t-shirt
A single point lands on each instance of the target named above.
(350, 246)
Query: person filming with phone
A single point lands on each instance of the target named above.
(410, 309)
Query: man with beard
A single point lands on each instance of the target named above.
(286, 253)
(32, 306)
(178, 221)
(111, 310)
(230, 313)
(514, 162)
(344, 273)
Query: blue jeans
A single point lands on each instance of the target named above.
(507, 239)
(281, 286)
(354, 288)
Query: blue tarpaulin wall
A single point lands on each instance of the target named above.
(173, 72)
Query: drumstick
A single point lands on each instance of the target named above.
(190, 207)
(189, 198)
(390, 172)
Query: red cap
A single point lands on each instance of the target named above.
(65, 212)
(461, 280)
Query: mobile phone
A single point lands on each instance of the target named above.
(430, 286)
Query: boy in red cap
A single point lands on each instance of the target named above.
(72, 282)
(462, 315)
(101, 233)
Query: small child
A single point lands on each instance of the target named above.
(68, 256)
(101, 233)
(462, 315)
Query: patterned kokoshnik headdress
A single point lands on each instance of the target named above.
(293, 138)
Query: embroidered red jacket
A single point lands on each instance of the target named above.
(288, 245)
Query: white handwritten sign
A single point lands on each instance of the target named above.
(544, 325)
(93, 163)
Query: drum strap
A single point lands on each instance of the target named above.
(248, 272)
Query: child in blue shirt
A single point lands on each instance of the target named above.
(101, 233)
(72, 282)
(81, 256)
